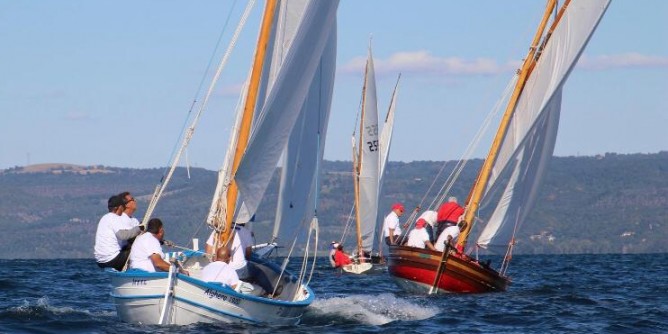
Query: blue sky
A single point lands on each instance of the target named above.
(111, 83)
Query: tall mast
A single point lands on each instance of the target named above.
(249, 109)
(358, 167)
(478, 189)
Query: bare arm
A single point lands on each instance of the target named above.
(159, 263)
(430, 246)
(392, 236)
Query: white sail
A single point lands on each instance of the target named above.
(305, 151)
(529, 142)
(385, 140)
(369, 155)
(285, 100)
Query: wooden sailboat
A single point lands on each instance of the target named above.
(287, 104)
(518, 158)
(370, 154)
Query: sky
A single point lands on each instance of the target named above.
(112, 82)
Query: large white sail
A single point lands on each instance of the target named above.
(305, 151)
(529, 142)
(285, 100)
(369, 155)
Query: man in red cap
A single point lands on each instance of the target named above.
(391, 228)
(419, 237)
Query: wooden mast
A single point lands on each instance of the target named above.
(249, 109)
(483, 177)
(358, 169)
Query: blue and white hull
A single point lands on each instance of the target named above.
(141, 297)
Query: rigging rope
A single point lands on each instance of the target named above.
(189, 132)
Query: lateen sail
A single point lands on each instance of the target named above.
(529, 142)
(369, 154)
(281, 111)
(305, 149)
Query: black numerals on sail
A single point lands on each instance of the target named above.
(373, 145)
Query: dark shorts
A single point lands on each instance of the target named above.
(118, 262)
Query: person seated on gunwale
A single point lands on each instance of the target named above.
(220, 270)
(419, 237)
(341, 258)
(450, 231)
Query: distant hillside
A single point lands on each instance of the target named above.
(605, 204)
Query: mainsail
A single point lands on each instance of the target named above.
(284, 101)
(368, 163)
(529, 141)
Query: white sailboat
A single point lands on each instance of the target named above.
(285, 111)
(370, 154)
(506, 186)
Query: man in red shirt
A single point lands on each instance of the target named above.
(448, 215)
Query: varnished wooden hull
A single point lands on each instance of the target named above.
(415, 270)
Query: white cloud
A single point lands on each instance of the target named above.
(625, 60)
(423, 62)
(426, 63)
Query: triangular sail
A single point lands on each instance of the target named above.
(285, 101)
(368, 160)
(385, 141)
(531, 134)
(305, 151)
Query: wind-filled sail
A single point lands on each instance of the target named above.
(368, 159)
(285, 100)
(529, 141)
(305, 151)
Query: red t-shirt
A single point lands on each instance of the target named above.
(341, 259)
(450, 211)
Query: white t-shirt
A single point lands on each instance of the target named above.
(391, 222)
(220, 271)
(418, 238)
(127, 222)
(107, 246)
(430, 216)
(440, 242)
(144, 246)
(242, 239)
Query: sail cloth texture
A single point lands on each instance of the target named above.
(369, 155)
(526, 148)
(305, 150)
(285, 100)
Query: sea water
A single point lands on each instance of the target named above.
(549, 294)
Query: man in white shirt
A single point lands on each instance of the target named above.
(242, 249)
(450, 231)
(419, 237)
(112, 235)
(147, 252)
(220, 270)
(391, 228)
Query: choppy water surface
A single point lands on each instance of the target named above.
(549, 294)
